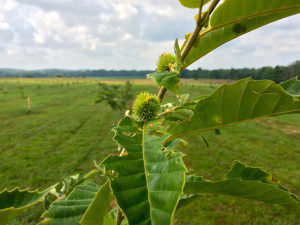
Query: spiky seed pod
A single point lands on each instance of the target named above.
(165, 62)
(146, 106)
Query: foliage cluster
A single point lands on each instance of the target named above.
(118, 97)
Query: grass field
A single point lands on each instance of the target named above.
(65, 131)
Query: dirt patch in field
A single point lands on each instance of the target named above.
(290, 130)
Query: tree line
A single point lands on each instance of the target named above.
(277, 73)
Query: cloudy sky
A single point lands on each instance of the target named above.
(125, 34)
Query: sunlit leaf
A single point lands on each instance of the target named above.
(292, 86)
(193, 3)
(239, 102)
(167, 79)
(177, 56)
(234, 18)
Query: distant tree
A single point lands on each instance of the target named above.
(28, 75)
(195, 76)
(59, 75)
(22, 91)
(277, 75)
(293, 69)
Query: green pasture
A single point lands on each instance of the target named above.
(65, 131)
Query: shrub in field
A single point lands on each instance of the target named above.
(117, 96)
(149, 181)
(22, 91)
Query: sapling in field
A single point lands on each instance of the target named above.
(149, 180)
(118, 97)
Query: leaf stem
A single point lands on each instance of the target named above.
(161, 93)
(199, 25)
(119, 217)
(166, 112)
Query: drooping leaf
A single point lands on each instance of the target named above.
(193, 3)
(217, 132)
(71, 210)
(292, 86)
(186, 200)
(249, 183)
(179, 115)
(183, 98)
(14, 202)
(239, 102)
(96, 212)
(167, 79)
(148, 181)
(234, 18)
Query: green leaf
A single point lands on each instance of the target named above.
(14, 202)
(109, 221)
(193, 3)
(249, 183)
(234, 18)
(167, 79)
(177, 56)
(72, 209)
(179, 115)
(186, 199)
(239, 102)
(244, 172)
(112, 216)
(292, 86)
(147, 181)
(96, 212)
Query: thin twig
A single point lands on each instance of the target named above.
(199, 25)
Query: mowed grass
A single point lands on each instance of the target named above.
(65, 131)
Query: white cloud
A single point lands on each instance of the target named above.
(124, 11)
(8, 5)
(123, 34)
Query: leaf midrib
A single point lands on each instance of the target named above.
(144, 162)
(226, 125)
